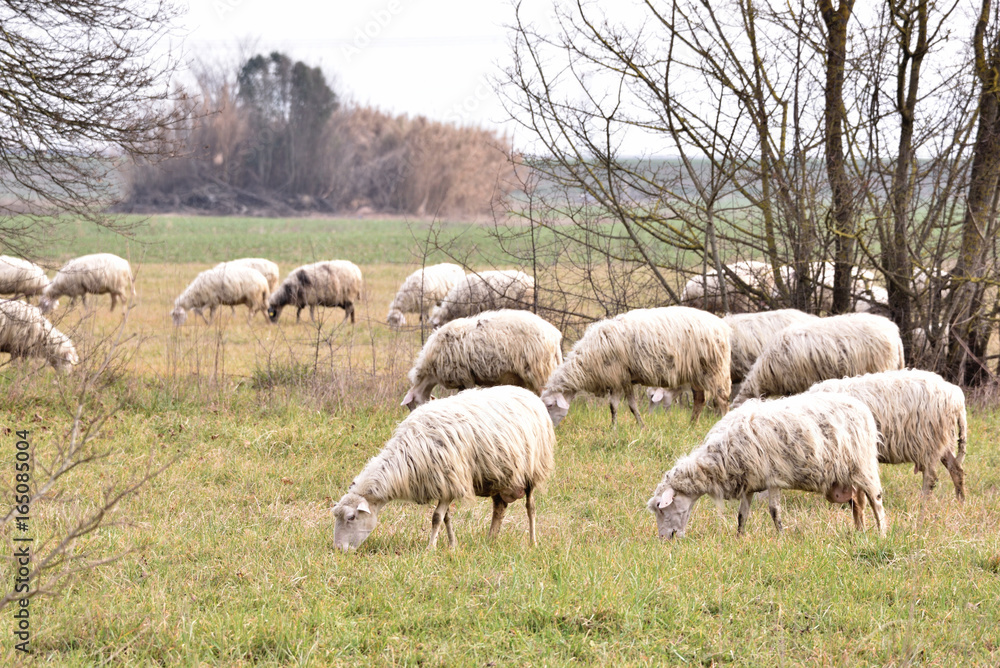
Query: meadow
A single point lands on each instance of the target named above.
(226, 557)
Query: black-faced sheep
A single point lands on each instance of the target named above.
(835, 347)
(423, 290)
(25, 332)
(823, 443)
(21, 277)
(661, 347)
(485, 291)
(102, 273)
(705, 291)
(920, 416)
(492, 348)
(496, 442)
(334, 283)
(225, 285)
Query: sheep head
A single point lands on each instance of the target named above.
(672, 511)
(557, 405)
(355, 519)
(179, 315)
(396, 319)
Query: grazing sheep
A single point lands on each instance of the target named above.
(751, 332)
(485, 291)
(866, 296)
(493, 348)
(835, 347)
(496, 442)
(664, 397)
(264, 266)
(102, 273)
(661, 347)
(336, 283)
(25, 332)
(423, 290)
(225, 285)
(920, 417)
(704, 291)
(824, 443)
(21, 277)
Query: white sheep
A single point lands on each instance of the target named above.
(665, 397)
(662, 347)
(224, 285)
(505, 347)
(835, 347)
(264, 266)
(98, 274)
(920, 416)
(485, 291)
(865, 295)
(423, 290)
(704, 291)
(751, 332)
(496, 442)
(21, 277)
(823, 443)
(25, 332)
(334, 283)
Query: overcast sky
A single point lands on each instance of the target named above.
(429, 57)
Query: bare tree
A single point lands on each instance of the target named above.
(82, 84)
(793, 134)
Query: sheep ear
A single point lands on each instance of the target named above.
(657, 395)
(561, 402)
(408, 398)
(363, 506)
(666, 499)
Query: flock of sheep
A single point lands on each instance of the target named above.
(821, 401)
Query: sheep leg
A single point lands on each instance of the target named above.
(858, 509)
(451, 531)
(349, 311)
(957, 474)
(312, 313)
(878, 512)
(529, 503)
(699, 403)
(499, 508)
(774, 505)
(211, 313)
(634, 406)
(613, 403)
(298, 314)
(930, 480)
(114, 300)
(744, 512)
(436, 520)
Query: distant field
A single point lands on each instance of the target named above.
(230, 558)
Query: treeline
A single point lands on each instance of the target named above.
(273, 138)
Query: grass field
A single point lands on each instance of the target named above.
(228, 553)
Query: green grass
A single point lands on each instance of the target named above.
(228, 556)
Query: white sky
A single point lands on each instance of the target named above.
(434, 58)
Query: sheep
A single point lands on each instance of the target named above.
(663, 347)
(264, 266)
(332, 283)
(423, 290)
(97, 274)
(25, 332)
(485, 291)
(665, 397)
(834, 347)
(504, 347)
(496, 442)
(919, 415)
(751, 332)
(227, 284)
(21, 277)
(824, 443)
(866, 296)
(703, 291)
